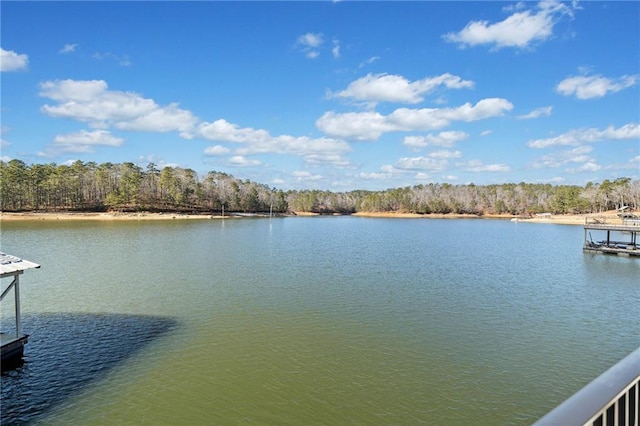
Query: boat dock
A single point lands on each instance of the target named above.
(12, 343)
(617, 236)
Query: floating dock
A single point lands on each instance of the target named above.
(12, 344)
(612, 236)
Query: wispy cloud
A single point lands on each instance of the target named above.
(12, 61)
(68, 48)
(444, 154)
(304, 176)
(589, 166)
(122, 60)
(581, 136)
(369, 61)
(557, 159)
(374, 88)
(4, 143)
(309, 43)
(479, 166)
(594, 86)
(520, 30)
(242, 161)
(536, 113)
(335, 50)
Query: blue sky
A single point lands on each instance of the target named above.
(328, 95)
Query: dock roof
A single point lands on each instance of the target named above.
(13, 265)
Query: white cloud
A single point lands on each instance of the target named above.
(309, 43)
(395, 88)
(334, 160)
(536, 113)
(521, 29)
(91, 102)
(387, 171)
(370, 125)
(596, 86)
(445, 139)
(311, 39)
(259, 141)
(83, 142)
(161, 119)
(68, 48)
(421, 163)
(590, 166)
(557, 159)
(356, 125)
(375, 176)
(444, 154)
(241, 161)
(580, 136)
(303, 176)
(12, 61)
(479, 166)
(222, 130)
(216, 150)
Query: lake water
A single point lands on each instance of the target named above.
(315, 321)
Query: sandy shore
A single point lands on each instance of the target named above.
(552, 219)
(568, 219)
(6, 217)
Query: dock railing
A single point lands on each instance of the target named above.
(620, 220)
(611, 399)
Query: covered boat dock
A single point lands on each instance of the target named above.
(13, 342)
(618, 236)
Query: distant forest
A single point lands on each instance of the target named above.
(127, 187)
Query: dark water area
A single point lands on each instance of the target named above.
(66, 353)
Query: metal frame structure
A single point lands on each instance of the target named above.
(12, 346)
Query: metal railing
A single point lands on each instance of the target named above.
(620, 220)
(611, 399)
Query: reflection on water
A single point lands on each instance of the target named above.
(68, 352)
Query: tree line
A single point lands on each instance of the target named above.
(88, 186)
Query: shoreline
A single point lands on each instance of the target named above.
(73, 216)
(577, 219)
(570, 219)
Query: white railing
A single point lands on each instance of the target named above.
(611, 399)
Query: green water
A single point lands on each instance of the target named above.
(335, 320)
